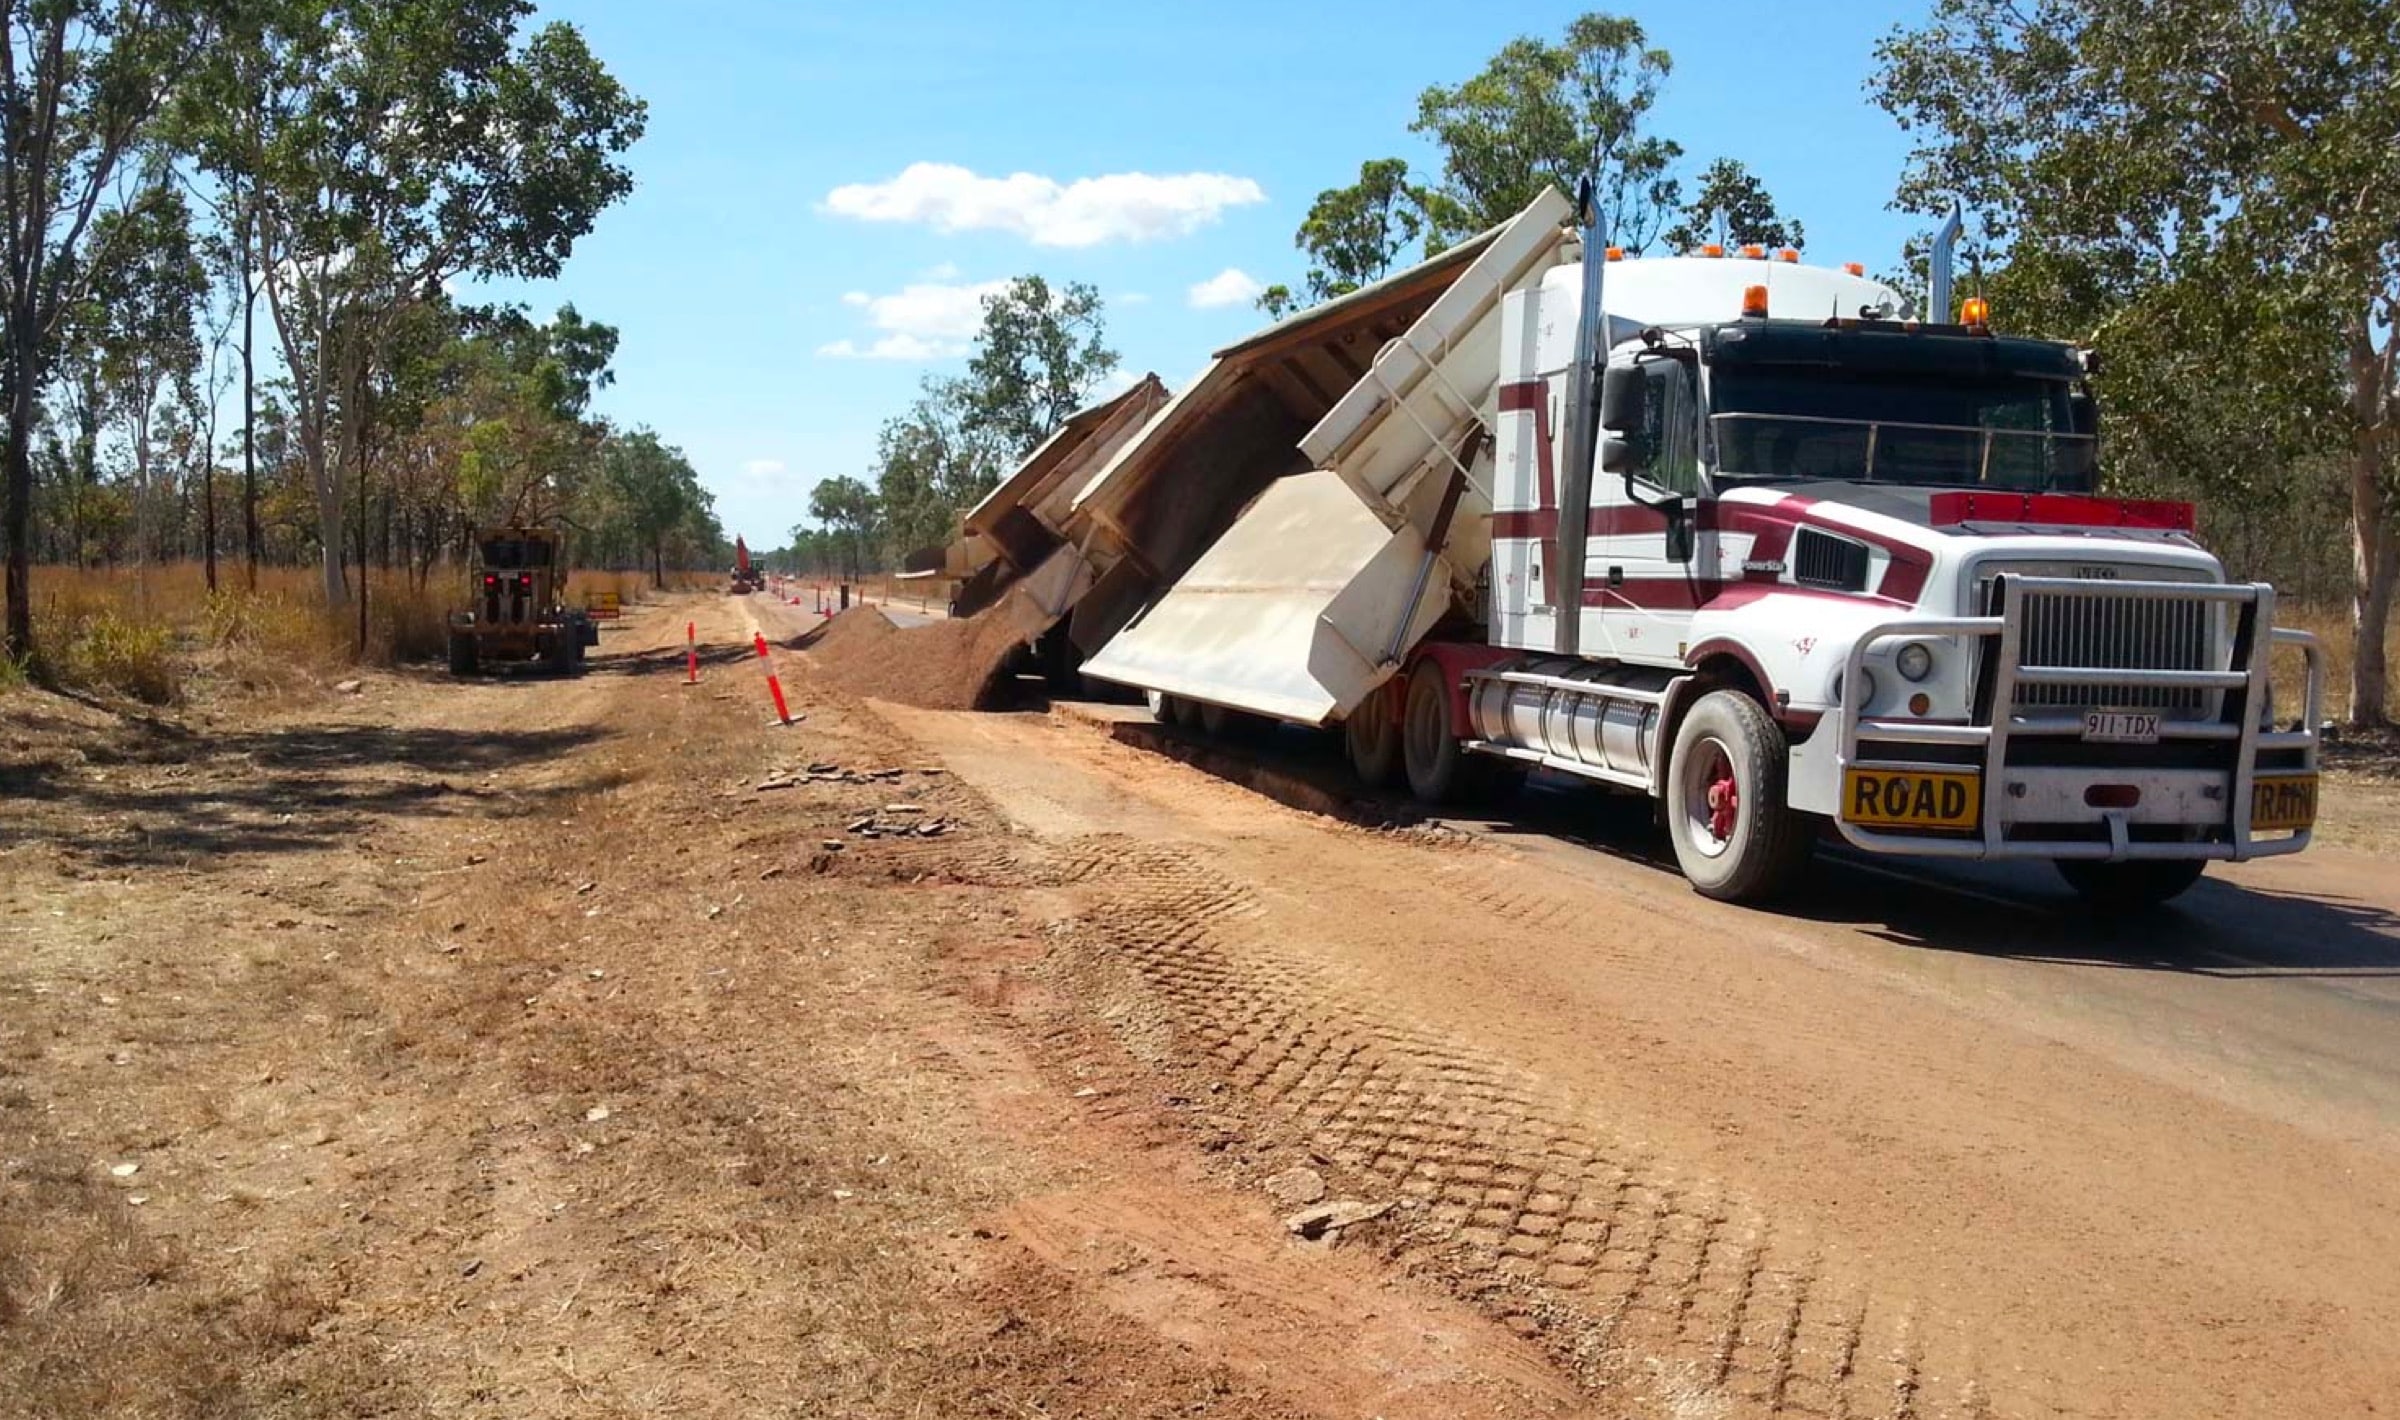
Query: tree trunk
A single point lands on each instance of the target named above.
(2375, 556)
(249, 412)
(208, 521)
(16, 455)
(329, 525)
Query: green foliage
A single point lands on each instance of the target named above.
(930, 463)
(84, 80)
(1731, 191)
(386, 146)
(1354, 234)
(1546, 114)
(1037, 356)
(655, 490)
(2209, 192)
(849, 513)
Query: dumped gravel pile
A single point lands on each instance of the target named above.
(945, 665)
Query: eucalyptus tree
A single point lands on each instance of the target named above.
(395, 146)
(82, 83)
(2209, 190)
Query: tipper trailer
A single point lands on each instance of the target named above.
(1729, 531)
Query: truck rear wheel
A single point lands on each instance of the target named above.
(1220, 722)
(2130, 887)
(1429, 748)
(462, 654)
(1734, 837)
(1372, 740)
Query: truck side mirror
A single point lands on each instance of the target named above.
(1616, 454)
(1624, 393)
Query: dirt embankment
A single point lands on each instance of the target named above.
(943, 665)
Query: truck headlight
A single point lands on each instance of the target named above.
(1914, 662)
(1866, 687)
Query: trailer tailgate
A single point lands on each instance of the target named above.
(1290, 614)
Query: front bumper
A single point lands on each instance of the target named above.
(2023, 782)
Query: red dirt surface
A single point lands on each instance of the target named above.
(944, 665)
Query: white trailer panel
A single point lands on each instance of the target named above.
(1293, 613)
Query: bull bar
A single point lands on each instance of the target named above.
(2252, 608)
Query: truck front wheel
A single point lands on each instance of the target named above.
(1735, 838)
(2130, 887)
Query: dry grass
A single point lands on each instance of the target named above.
(2331, 626)
(147, 633)
(99, 1316)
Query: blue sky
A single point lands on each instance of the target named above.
(781, 289)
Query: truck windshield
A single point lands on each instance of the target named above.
(1892, 427)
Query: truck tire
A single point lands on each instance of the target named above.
(1219, 722)
(1182, 713)
(1160, 708)
(2130, 887)
(1372, 740)
(1437, 769)
(462, 654)
(1735, 838)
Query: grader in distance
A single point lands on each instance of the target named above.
(516, 606)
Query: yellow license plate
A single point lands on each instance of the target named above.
(2282, 801)
(1913, 798)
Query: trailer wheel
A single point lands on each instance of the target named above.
(2130, 887)
(462, 654)
(1183, 713)
(1429, 748)
(1372, 740)
(1219, 722)
(1734, 837)
(1161, 706)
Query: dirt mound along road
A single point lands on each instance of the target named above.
(942, 665)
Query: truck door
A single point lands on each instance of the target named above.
(1640, 580)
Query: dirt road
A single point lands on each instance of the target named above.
(519, 1048)
(1928, 1144)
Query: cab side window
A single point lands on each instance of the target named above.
(1673, 409)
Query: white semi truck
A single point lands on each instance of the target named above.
(1729, 531)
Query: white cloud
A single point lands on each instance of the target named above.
(946, 271)
(763, 468)
(1134, 298)
(1115, 383)
(924, 320)
(1230, 287)
(890, 347)
(1129, 207)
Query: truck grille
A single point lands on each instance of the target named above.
(2117, 633)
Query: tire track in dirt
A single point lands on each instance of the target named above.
(1507, 1190)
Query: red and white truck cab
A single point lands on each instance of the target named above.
(1839, 571)
(1728, 531)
